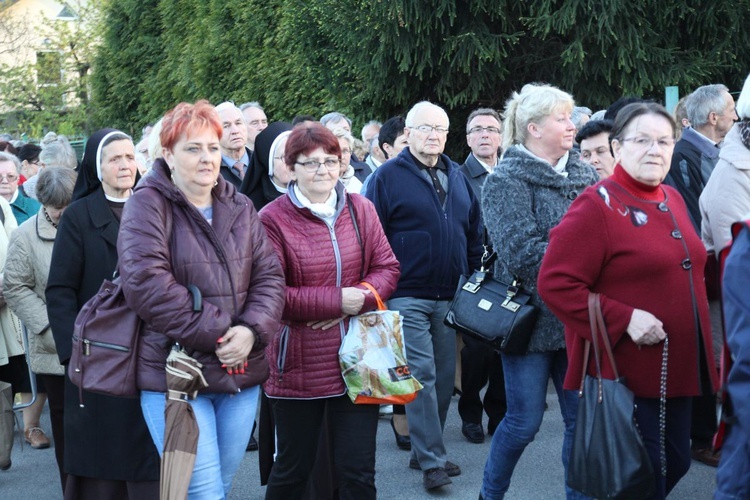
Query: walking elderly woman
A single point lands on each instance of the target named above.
(26, 271)
(522, 199)
(185, 226)
(630, 239)
(329, 241)
(108, 451)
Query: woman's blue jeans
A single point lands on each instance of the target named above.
(526, 380)
(224, 422)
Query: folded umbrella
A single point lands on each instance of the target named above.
(184, 380)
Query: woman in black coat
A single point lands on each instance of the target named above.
(108, 450)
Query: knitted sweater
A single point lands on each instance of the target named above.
(522, 199)
(634, 244)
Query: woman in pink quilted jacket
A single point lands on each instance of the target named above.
(328, 241)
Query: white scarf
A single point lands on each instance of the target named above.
(324, 210)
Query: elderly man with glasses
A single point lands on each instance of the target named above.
(10, 172)
(431, 219)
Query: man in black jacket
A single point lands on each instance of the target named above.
(480, 364)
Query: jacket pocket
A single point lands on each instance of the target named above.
(413, 249)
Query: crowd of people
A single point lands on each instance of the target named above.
(288, 230)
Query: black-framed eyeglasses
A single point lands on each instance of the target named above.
(312, 165)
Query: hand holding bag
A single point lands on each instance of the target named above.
(491, 311)
(373, 358)
(608, 458)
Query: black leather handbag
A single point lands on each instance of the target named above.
(491, 311)
(608, 458)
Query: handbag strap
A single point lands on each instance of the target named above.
(353, 215)
(378, 300)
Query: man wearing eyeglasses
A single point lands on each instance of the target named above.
(22, 206)
(480, 364)
(430, 216)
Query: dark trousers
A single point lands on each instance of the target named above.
(481, 364)
(352, 428)
(704, 423)
(677, 439)
(55, 385)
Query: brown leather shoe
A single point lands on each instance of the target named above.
(706, 456)
(36, 438)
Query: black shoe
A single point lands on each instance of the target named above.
(450, 468)
(435, 478)
(252, 445)
(403, 442)
(473, 432)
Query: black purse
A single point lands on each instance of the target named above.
(491, 311)
(608, 458)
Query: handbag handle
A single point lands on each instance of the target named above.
(598, 329)
(378, 300)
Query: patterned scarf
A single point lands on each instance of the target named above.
(744, 127)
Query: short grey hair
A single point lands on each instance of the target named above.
(409, 121)
(369, 124)
(229, 105)
(342, 133)
(334, 117)
(57, 152)
(252, 104)
(743, 101)
(484, 112)
(704, 101)
(55, 186)
(11, 158)
(578, 113)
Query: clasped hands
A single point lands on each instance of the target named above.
(234, 347)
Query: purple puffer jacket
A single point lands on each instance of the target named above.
(318, 261)
(231, 261)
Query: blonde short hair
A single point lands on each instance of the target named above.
(534, 103)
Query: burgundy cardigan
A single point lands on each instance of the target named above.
(636, 246)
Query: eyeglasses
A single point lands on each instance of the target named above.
(255, 123)
(311, 165)
(278, 158)
(346, 151)
(481, 130)
(647, 142)
(426, 129)
(8, 177)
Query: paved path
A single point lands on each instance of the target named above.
(539, 475)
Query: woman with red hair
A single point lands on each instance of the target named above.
(187, 226)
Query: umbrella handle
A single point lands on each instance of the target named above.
(197, 297)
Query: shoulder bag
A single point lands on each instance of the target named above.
(491, 311)
(608, 458)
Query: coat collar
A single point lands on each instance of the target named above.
(44, 230)
(473, 167)
(523, 166)
(102, 217)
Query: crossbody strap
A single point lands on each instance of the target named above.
(353, 215)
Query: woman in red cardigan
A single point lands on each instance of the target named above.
(629, 238)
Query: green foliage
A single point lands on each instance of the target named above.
(376, 58)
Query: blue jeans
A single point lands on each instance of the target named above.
(431, 354)
(733, 474)
(526, 379)
(224, 422)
